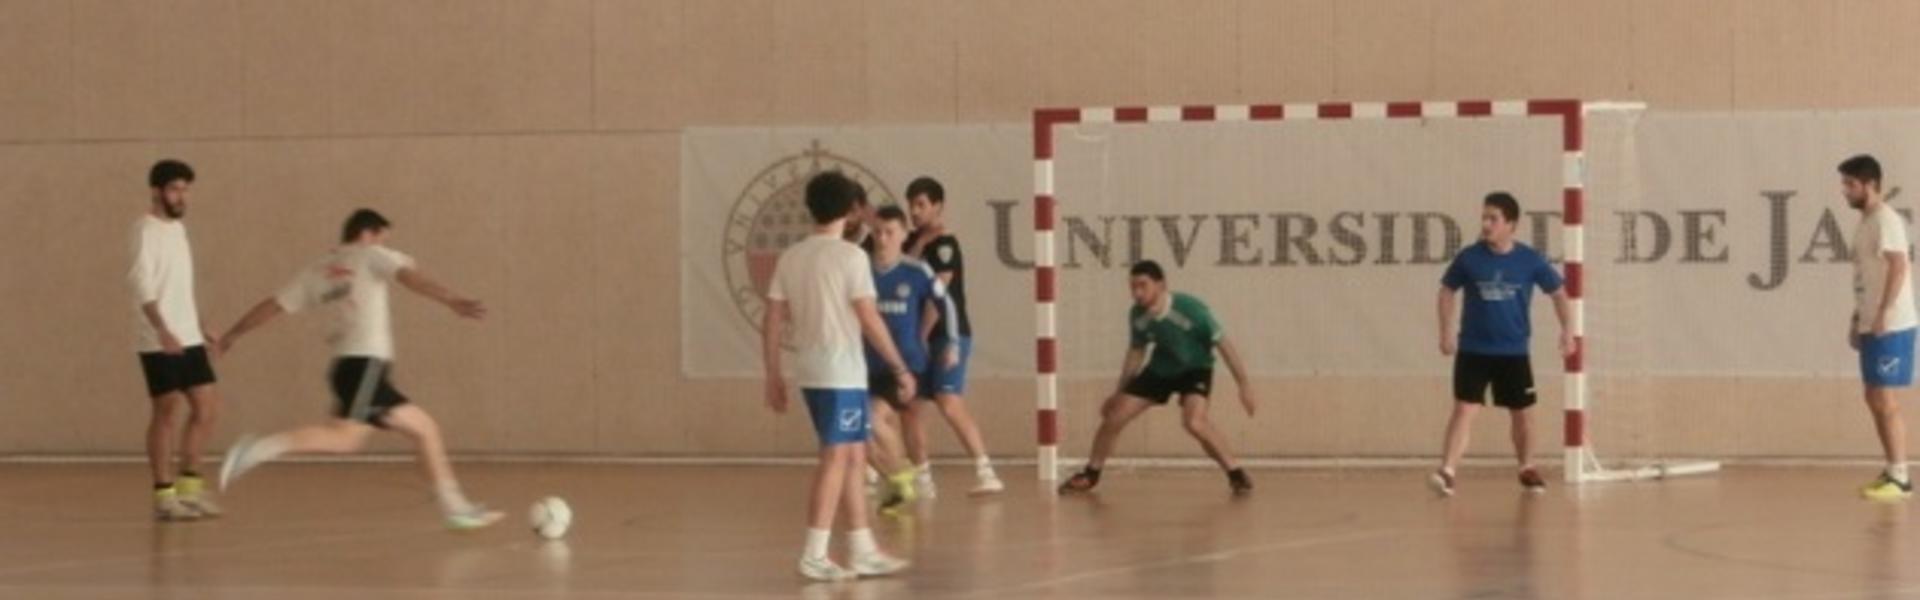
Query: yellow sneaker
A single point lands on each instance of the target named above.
(193, 494)
(898, 492)
(1885, 489)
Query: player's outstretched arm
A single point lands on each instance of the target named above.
(773, 326)
(1240, 378)
(418, 281)
(1446, 311)
(259, 315)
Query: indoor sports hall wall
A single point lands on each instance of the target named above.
(529, 153)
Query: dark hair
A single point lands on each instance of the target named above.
(891, 212)
(362, 220)
(859, 192)
(1509, 207)
(1148, 268)
(1862, 167)
(166, 171)
(928, 187)
(830, 196)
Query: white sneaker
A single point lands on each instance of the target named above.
(924, 481)
(168, 507)
(989, 484)
(823, 569)
(475, 517)
(237, 462)
(878, 564)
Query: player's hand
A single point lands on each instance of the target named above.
(777, 395)
(170, 344)
(225, 345)
(952, 358)
(1853, 340)
(1880, 325)
(214, 346)
(908, 386)
(1247, 399)
(1568, 345)
(468, 308)
(1447, 345)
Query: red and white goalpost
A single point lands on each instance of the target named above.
(1580, 462)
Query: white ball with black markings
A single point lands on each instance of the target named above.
(551, 517)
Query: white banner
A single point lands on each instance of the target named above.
(1715, 244)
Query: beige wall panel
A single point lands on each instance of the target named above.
(1383, 49)
(289, 51)
(912, 61)
(819, 62)
(1005, 61)
(1531, 49)
(545, 316)
(1683, 54)
(506, 65)
(1134, 52)
(113, 78)
(1784, 53)
(36, 58)
(1871, 48)
(379, 69)
(637, 392)
(729, 62)
(639, 47)
(1287, 50)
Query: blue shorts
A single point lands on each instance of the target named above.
(1887, 361)
(839, 416)
(942, 380)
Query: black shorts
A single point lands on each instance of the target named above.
(362, 391)
(1158, 389)
(883, 384)
(1511, 378)
(168, 373)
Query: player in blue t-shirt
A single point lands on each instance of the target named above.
(905, 287)
(1498, 275)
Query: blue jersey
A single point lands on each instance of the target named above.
(1499, 288)
(903, 292)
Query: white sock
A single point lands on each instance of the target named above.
(925, 469)
(817, 540)
(983, 465)
(1898, 471)
(452, 501)
(862, 543)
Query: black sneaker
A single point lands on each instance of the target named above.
(1081, 482)
(1530, 479)
(1237, 480)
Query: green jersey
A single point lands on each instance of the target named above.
(1182, 338)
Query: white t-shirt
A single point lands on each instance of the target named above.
(351, 282)
(1882, 230)
(162, 272)
(819, 278)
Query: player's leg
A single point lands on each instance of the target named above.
(865, 557)
(840, 422)
(1886, 363)
(1193, 416)
(1513, 390)
(166, 407)
(204, 407)
(887, 455)
(947, 385)
(1118, 411)
(414, 422)
(337, 436)
(1471, 378)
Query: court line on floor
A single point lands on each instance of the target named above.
(1217, 556)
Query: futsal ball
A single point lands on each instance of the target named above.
(550, 516)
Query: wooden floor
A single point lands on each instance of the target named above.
(333, 531)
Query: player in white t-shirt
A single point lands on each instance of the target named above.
(351, 283)
(820, 303)
(1883, 323)
(172, 346)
